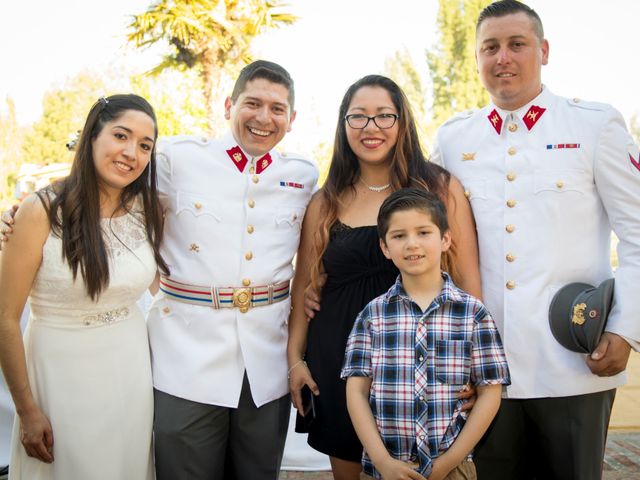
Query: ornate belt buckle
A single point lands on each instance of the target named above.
(242, 299)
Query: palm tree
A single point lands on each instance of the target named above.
(213, 36)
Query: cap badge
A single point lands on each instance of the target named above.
(496, 121)
(532, 116)
(578, 313)
(239, 158)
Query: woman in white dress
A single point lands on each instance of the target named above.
(84, 250)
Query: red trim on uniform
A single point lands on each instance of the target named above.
(634, 162)
(495, 120)
(532, 116)
(263, 163)
(238, 157)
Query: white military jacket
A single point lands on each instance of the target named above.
(223, 227)
(547, 183)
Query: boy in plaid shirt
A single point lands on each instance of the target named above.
(412, 349)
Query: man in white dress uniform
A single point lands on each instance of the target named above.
(548, 178)
(218, 327)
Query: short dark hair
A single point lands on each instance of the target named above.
(412, 199)
(508, 7)
(267, 70)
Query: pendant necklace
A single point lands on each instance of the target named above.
(374, 188)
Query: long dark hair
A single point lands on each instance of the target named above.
(73, 203)
(409, 166)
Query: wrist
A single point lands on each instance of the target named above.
(295, 365)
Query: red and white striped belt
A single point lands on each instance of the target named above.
(242, 298)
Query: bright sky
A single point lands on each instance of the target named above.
(594, 49)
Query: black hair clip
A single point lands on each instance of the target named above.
(103, 101)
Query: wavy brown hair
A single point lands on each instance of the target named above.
(409, 168)
(73, 203)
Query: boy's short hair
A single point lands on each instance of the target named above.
(412, 199)
(269, 71)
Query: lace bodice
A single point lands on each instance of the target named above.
(57, 298)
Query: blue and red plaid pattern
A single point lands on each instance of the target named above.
(418, 362)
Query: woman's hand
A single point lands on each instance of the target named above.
(299, 376)
(36, 435)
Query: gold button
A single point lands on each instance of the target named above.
(510, 257)
(248, 256)
(559, 184)
(295, 216)
(510, 228)
(467, 193)
(250, 228)
(255, 179)
(251, 204)
(194, 247)
(512, 127)
(252, 170)
(198, 205)
(511, 176)
(512, 151)
(511, 284)
(166, 309)
(511, 203)
(576, 100)
(246, 282)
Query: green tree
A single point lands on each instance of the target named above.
(11, 136)
(401, 68)
(64, 111)
(212, 36)
(456, 85)
(177, 101)
(634, 127)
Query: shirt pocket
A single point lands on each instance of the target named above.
(561, 181)
(197, 205)
(289, 217)
(453, 361)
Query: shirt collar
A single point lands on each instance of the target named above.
(449, 292)
(529, 114)
(241, 158)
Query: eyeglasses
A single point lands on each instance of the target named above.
(382, 121)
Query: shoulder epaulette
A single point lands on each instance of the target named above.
(297, 156)
(577, 102)
(459, 116)
(198, 139)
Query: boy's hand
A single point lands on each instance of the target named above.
(440, 469)
(469, 393)
(392, 469)
(312, 298)
(6, 225)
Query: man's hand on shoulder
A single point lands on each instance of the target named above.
(610, 356)
(6, 223)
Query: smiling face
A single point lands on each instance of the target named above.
(122, 150)
(372, 144)
(414, 243)
(510, 56)
(261, 116)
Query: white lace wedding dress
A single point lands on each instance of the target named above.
(88, 364)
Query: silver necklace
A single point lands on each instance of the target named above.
(374, 188)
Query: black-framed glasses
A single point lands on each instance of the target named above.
(382, 120)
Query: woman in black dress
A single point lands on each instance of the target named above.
(376, 151)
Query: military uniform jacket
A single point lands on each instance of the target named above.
(224, 226)
(547, 183)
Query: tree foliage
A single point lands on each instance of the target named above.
(10, 141)
(634, 127)
(64, 111)
(401, 69)
(456, 85)
(211, 36)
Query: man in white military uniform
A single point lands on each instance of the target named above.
(218, 332)
(547, 178)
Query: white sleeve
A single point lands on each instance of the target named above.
(617, 178)
(163, 172)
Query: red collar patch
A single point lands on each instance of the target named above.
(263, 163)
(532, 116)
(240, 160)
(496, 120)
(634, 162)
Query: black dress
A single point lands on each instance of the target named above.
(357, 272)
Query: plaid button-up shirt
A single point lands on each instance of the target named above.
(418, 362)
